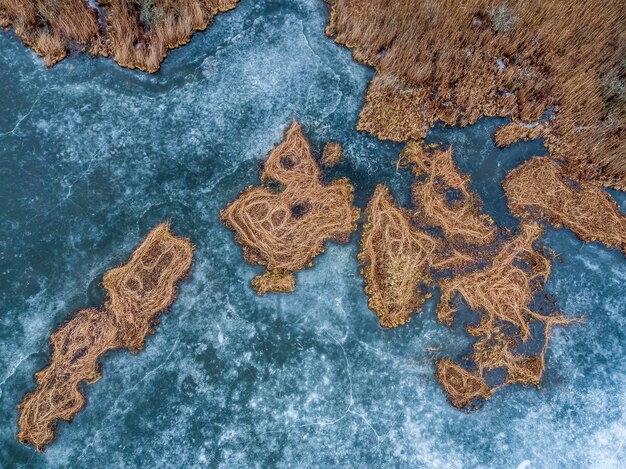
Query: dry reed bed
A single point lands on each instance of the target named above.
(332, 154)
(396, 259)
(538, 190)
(456, 62)
(284, 223)
(138, 292)
(500, 293)
(498, 279)
(51, 27)
(137, 33)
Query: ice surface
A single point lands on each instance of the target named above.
(93, 156)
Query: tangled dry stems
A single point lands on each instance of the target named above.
(138, 292)
(539, 190)
(462, 386)
(137, 33)
(396, 258)
(442, 197)
(284, 223)
(403, 258)
(458, 61)
(500, 293)
(332, 154)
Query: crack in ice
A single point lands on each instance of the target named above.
(21, 119)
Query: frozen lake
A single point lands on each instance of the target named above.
(92, 156)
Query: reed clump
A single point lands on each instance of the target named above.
(137, 33)
(462, 386)
(501, 293)
(332, 154)
(512, 132)
(539, 190)
(138, 292)
(442, 197)
(457, 61)
(396, 258)
(51, 27)
(449, 241)
(284, 223)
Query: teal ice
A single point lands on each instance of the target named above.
(92, 156)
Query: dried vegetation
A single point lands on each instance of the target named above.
(138, 292)
(51, 27)
(449, 241)
(137, 33)
(396, 259)
(332, 154)
(538, 190)
(284, 223)
(442, 197)
(458, 61)
(500, 293)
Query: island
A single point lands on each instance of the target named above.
(284, 223)
(137, 292)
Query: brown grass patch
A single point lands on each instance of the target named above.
(332, 154)
(277, 282)
(396, 259)
(538, 190)
(501, 294)
(456, 62)
(443, 198)
(512, 132)
(138, 292)
(463, 387)
(52, 27)
(137, 33)
(284, 224)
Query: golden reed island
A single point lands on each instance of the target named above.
(284, 223)
(137, 293)
(136, 33)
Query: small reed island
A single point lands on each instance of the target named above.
(283, 223)
(137, 293)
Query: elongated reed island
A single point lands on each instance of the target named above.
(138, 292)
(457, 61)
(396, 259)
(284, 223)
(136, 33)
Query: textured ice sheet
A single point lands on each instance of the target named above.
(92, 156)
